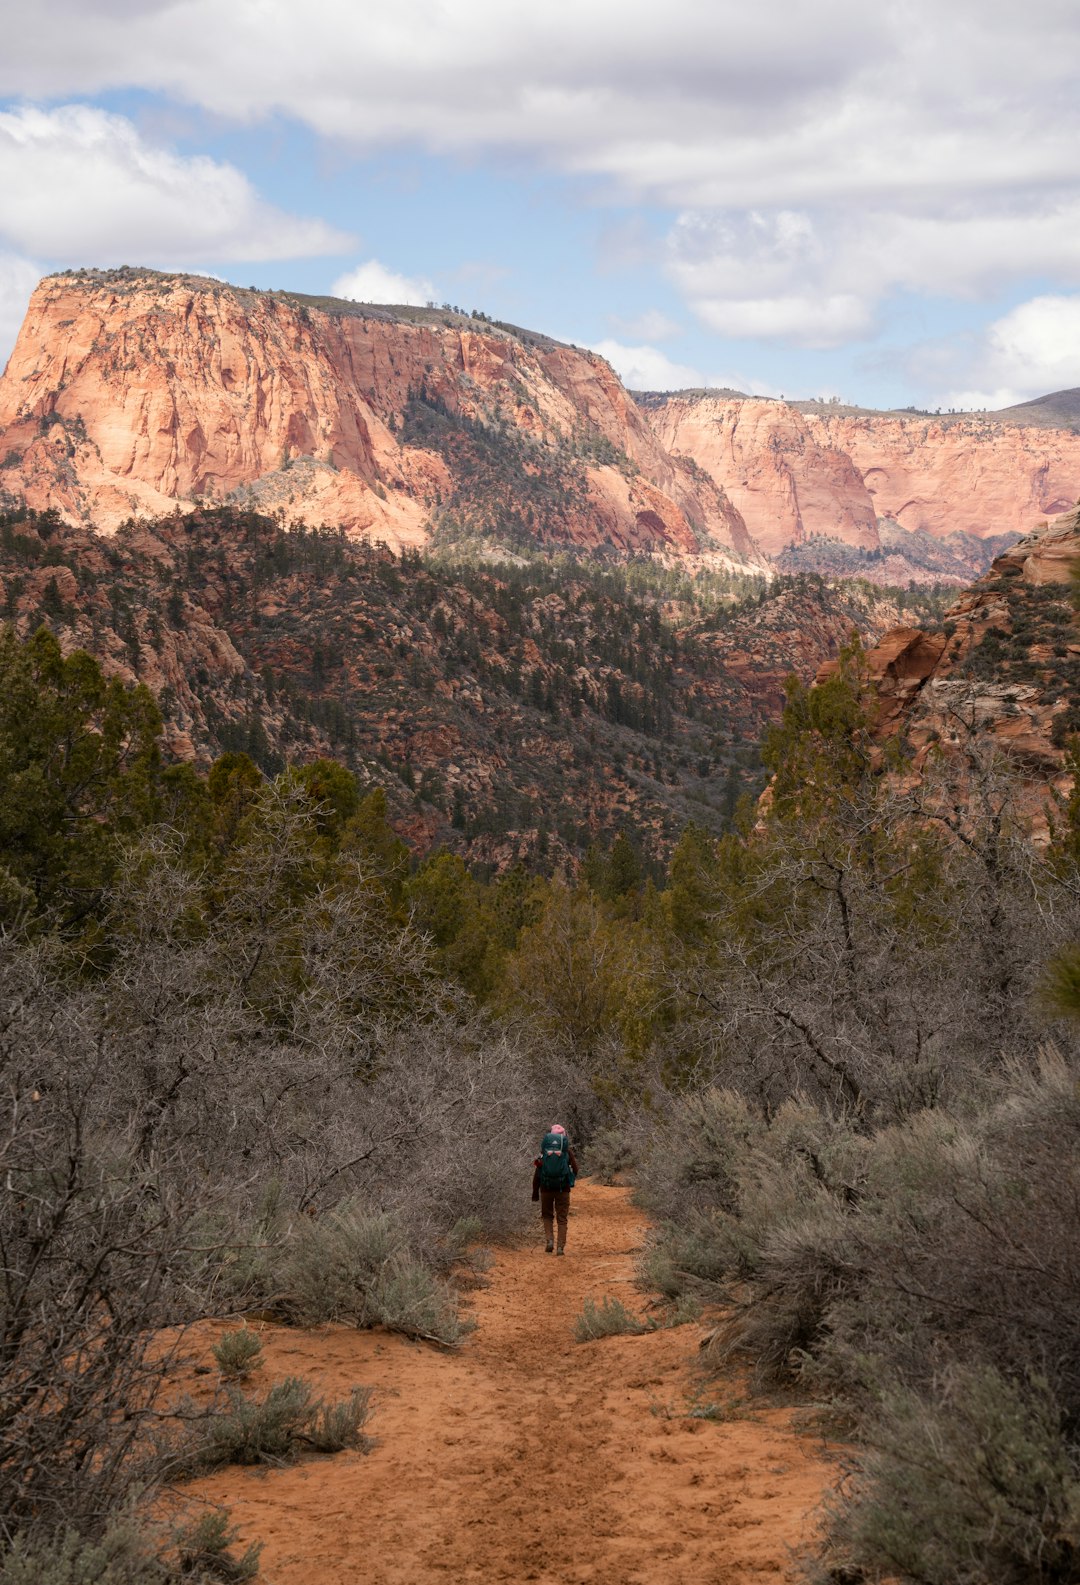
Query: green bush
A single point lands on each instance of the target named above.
(356, 1266)
(329, 1266)
(238, 1354)
(609, 1318)
(258, 1430)
(130, 1553)
(337, 1426)
(122, 1556)
(408, 1297)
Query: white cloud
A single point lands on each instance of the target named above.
(81, 184)
(374, 283)
(652, 325)
(18, 277)
(646, 368)
(810, 321)
(1032, 350)
(829, 154)
(818, 279)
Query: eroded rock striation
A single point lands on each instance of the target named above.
(130, 392)
(930, 498)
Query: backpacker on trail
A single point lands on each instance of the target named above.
(554, 1174)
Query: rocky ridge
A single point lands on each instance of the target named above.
(510, 708)
(131, 392)
(1004, 671)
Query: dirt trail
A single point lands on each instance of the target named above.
(527, 1456)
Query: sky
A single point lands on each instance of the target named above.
(826, 198)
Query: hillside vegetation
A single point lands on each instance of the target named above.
(249, 1039)
(519, 707)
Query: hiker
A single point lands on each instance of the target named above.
(554, 1172)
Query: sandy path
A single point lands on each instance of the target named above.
(527, 1456)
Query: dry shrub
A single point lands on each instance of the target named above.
(275, 1428)
(971, 1484)
(609, 1318)
(356, 1266)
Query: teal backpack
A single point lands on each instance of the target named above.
(555, 1169)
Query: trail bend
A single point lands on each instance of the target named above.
(528, 1456)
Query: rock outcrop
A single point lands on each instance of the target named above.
(958, 475)
(1004, 671)
(130, 392)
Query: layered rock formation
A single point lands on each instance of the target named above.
(1003, 672)
(969, 476)
(130, 392)
(808, 481)
(785, 480)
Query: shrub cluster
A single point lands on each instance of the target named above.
(920, 1279)
(286, 1421)
(246, 1088)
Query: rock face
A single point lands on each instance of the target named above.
(968, 476)
(807, 482)
(785, 480)
(129, 392)
(1004, 671)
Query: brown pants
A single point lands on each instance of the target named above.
(555, 1203)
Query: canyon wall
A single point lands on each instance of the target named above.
(130, 393)
(878, 483)
(961, 475)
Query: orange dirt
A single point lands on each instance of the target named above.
(528, 1456)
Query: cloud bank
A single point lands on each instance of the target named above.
(80, 183)
(819, 157)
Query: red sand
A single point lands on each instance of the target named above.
(528, 1456)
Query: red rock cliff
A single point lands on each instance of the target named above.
(793, 475)
(129, 391)
(787, 483)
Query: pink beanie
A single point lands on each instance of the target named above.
(557, 1128)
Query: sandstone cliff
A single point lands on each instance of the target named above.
(783, 479)
(970, 476)
(129, 392)
(1003, 671)
(806, 482)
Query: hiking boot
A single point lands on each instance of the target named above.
(560, 1251)
(548, 1248)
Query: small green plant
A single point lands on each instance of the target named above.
(238, 1354)
(609, 1318)
(203, 1550)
